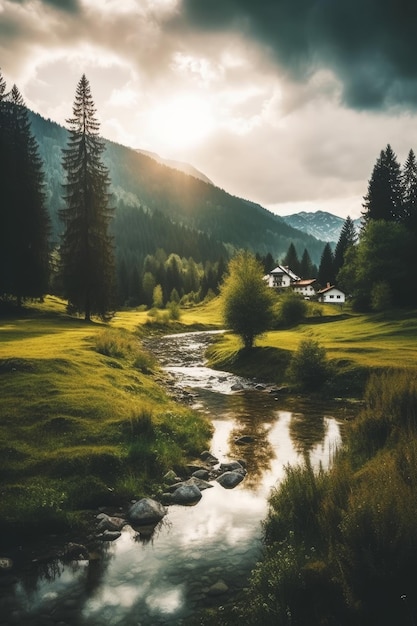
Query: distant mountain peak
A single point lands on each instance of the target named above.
(176, 165)
(319, 224)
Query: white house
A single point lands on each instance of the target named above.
(281, 277)
(305, 288)
(332, 295)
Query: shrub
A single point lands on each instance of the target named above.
(308, 368)
(174, 310)
(293, 310)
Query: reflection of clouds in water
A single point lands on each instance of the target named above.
(124, 596)
(149, 583)
(324, 452)
(165, 600)
(223, 518)
(220, 441)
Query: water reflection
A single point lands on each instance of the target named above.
(164, 575)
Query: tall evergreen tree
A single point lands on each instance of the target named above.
(384, 198)
(24, 220)
(291, 260)
(87, 257)
(307, 270)
(348, 237)
(409, 185)
(326, 272)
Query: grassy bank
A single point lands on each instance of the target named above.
(341, 545)
(84, 420)
(355, 345)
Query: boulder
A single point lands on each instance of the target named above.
(237, 387)
(201, 473)
(233, 466)
(229, 480)
(207, 457)
(146, 511)
(217, 589)
(170, 478)
(110, 535)
(186, 494)
(75, 552)
(111, 523)
(244, 440)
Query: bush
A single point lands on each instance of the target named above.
(292, 311)
(308, 368)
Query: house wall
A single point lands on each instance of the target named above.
(334, 296)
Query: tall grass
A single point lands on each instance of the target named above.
(341, 545)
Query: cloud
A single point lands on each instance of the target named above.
(370, 45)
(70, 6)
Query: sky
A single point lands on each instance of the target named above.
(287, 103)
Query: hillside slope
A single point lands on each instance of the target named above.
(140, 181)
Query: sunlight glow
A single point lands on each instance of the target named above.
(183, 121)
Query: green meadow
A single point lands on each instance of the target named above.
(356, 344)
(84, 418)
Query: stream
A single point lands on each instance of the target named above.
(199, 556)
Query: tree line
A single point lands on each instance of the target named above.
(94, 263)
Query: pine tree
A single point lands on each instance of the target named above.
(306, 266)
(24, 220)
(409, 185)
(348, 237)
(384, 198)
(291, 260)
(326, 274)
(87, 257)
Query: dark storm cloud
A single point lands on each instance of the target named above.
(71, 6)
(371, 45)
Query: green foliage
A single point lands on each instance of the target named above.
(246, 299)
(326, 274)
(24, 220)
(309, 368)
(157, 297)
(87, 255)
(383, 200)
(292, 309)
(174, 310)
(381, 296)
(342, 543)
(386, 252)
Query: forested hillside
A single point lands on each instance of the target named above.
(140, 181)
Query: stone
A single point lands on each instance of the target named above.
(146, 511)
(108, 522)
(170, 478)
(110, 535)
(236, 387)
(5, 563)
(186, 494)
(218, 589)
(207, 457)
(229, 480)
(244, 440)
(233, 466)
(75, 552)
(201, 473)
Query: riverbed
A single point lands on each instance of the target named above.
(199, 556)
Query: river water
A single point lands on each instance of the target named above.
(199, 556)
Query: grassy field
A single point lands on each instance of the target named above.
(84, 418)
(354, 343)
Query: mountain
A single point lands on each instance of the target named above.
(187, 168)
(159, 206)
(319, 224)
